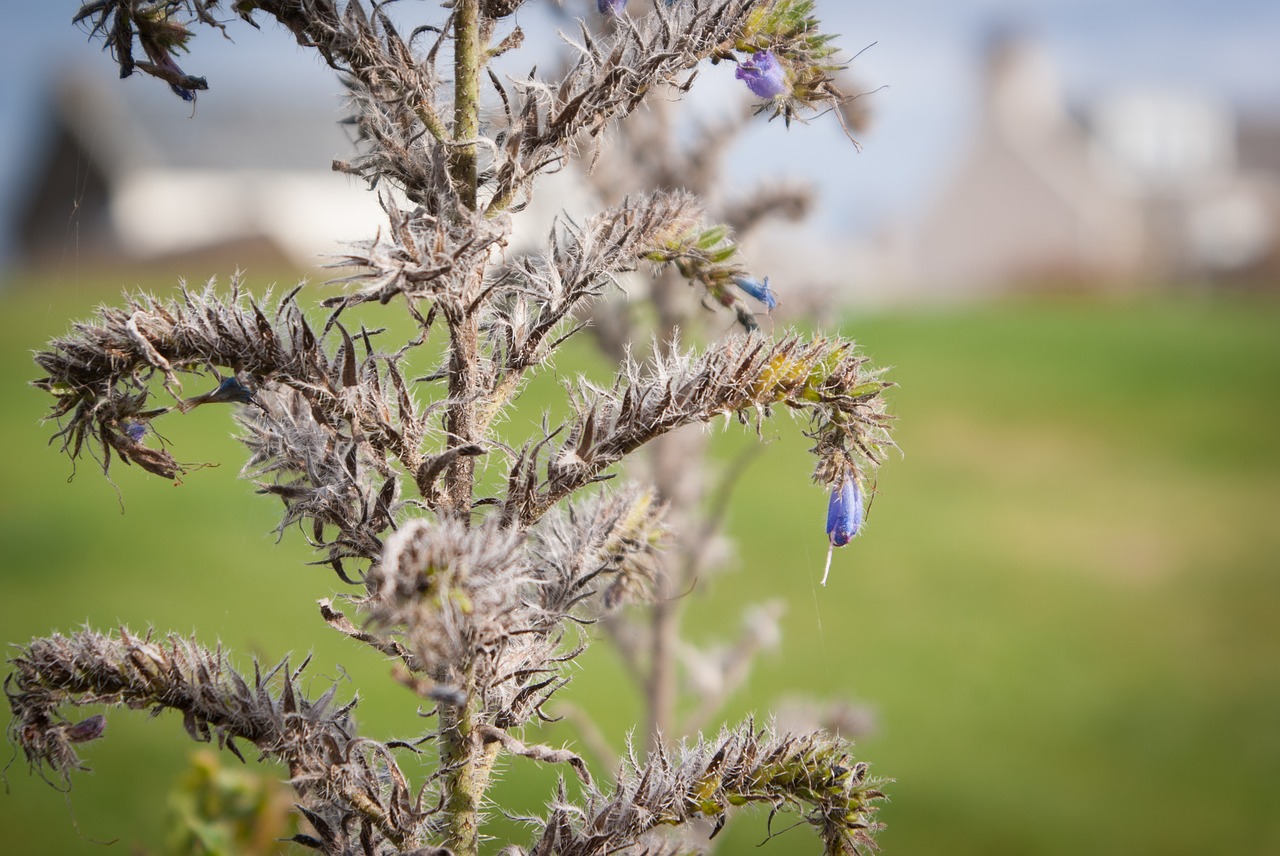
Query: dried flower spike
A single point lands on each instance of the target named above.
(844, 517)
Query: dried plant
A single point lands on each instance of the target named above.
(480, 598)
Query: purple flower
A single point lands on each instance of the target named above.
(844, 512)
(87, 729)
(763, 74)
(844, 517)
(611, 7)
(135, 430)
(759, 290)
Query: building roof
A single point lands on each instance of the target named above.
(130, 126)
(139, 175)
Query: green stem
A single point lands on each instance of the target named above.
(461, 422)
(470, 762)
(468, 63)
(464, 347)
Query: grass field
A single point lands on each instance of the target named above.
(1065, 609)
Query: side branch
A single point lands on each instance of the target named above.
(610, 80)
(811, 774)
(313, 738)
(745, 377)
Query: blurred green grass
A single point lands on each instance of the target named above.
(1065, 608)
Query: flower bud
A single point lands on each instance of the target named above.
(87, 729)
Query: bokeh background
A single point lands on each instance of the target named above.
(1065, 611)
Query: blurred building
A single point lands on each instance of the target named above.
(128, 174)
(1144, 186)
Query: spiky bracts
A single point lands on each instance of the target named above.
(812, 775)
(786, 37)
(104, 373)
(743, 377)
(406, 123)
(352, 790)
(486, 608)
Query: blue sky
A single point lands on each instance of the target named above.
(924, 54)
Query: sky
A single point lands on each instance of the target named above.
(919, 56)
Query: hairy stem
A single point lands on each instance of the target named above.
(469, 761)
(467, 62)
(461, 423)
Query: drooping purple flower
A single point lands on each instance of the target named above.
(759, 290)
(611, 7)
(763, 74)
(844, 512)
(844, 517)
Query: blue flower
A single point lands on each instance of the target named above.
(763, 74)
(844, 512)
(135, 430)
(611, 7)
(844, 517)
(232, 390)
(229, 389)
(759, 290)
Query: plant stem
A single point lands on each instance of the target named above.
(661, 690)
(668, 463)
(469, 762)
(467, 63)
(460, 420)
